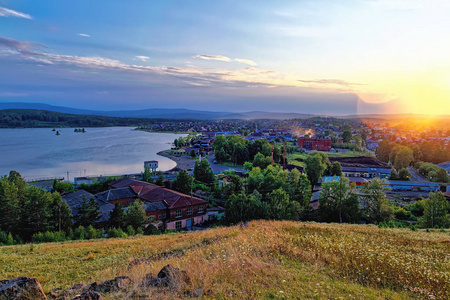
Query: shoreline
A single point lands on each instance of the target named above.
(182, 162)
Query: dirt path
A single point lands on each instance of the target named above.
(183, 162)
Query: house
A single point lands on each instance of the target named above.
(81, 180)
(181, 210)
(164, 208)
(215, 213)
(75, 199)
(323, 144)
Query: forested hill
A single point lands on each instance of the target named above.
(32, 118)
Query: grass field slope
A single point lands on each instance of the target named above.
(264, 260)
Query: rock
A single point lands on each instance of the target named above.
(21, 288)
(114, 285)
(90, 295)
(173, 278)
(197, 292)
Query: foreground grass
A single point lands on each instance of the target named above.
(264, 260)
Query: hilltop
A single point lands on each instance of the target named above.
(266, 259)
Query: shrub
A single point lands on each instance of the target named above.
(48, 237)
(116, 233)
(130, 230)
(79, 233)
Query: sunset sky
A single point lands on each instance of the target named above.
(321, 57)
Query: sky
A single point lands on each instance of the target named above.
(318, 56)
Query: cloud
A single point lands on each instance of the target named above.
(213, 57)
(329, 81)
(84, 35)
(246, 61)
(5, 12)
(143, 58)
(11, 46)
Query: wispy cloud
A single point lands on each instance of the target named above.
(6, 12)
(329, 81)
(246, 61)
(142, 57)
(213, 57)
(84, 35)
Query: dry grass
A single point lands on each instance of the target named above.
(273, 260)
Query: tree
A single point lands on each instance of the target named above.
(376, 206)
(403, 174)
(316, 164)
(87, 213)
(147, 176)
(203, 172)
(135, 215)
(299, 188)
(384, 149)
(393, 175)
(160, 180)
(183, 182)
(338, 202)
(346, 136)
(261, 161)
(336, 169)
(193, 154)
(117, 216)
(241, 208)
(279, 208)
(403, 157)
(248, 166)
(61, 216)
(441, 175)
(436, 212)
(35, 215)
(234, 186)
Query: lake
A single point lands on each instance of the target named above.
(39, 152)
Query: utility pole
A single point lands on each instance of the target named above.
(340, 199)
(59, 223)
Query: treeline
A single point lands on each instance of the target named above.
(238, 150)
(29, 214)
(405, 155)
(32, 118)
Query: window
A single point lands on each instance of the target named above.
(164, 215)
(178, 213)
(189, 211)
(178, 225)
(159, 216)
(151, 218)
(200, 209)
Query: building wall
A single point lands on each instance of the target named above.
(184, 215)
(315, 144)
(195, 220)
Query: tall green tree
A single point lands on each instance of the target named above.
(35, 215)
(135, 214)
(184, 182)
(338, 202)
(147, 176)
(61, 216)
(279, 208)
(347, 136)
(316, 164)
(336, 169)
(261, 161)
(376, 207)
(241, 208)
(87, 213)
(436, 212)
(203, 172)
(117, 216)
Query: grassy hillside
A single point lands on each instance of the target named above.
(270, 260)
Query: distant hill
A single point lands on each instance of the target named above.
(159, 113)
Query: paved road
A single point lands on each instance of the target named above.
(219, 168)
(416, 176)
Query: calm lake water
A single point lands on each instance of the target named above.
(39, 152)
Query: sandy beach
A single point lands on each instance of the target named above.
(183, 162)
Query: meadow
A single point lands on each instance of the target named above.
(265, 260)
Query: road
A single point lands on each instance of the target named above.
(416, 176)
(219, 168)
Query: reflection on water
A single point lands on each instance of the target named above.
(38, 152)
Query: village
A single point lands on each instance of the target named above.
(351, 145)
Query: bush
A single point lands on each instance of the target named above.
(130, 230)
(48, 237)
(116, 233)
(92, 233)
(6, 238)
(151, 230)
(79, 233)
